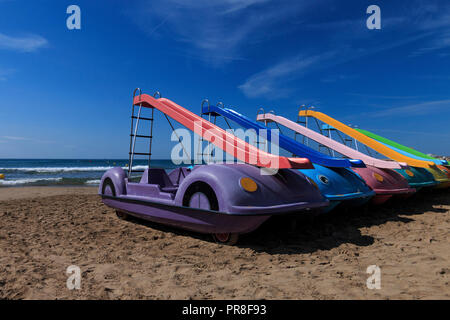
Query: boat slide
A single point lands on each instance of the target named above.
(330, 143)
(410, 152)
(284, 141)
(340, 184)
(375, 145)
(441, 176)
(441, 172)
(238, 148)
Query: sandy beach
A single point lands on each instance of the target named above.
(43, 230)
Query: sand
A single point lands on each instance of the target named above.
(36, 192)
(45, 230)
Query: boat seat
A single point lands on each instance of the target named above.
(160, 177)
(177, 175)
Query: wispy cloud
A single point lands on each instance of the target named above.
(384, 97)
(270, 82)
(27, 43)
(4, 73)
(343, 41)
(277, 81)
(237, 5)
(432, 18)
(437, 42)
(354, 27)
(17, 138)
(423, 108)
(216, 31)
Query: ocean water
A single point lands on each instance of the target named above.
(67, 172)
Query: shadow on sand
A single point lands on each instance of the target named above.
(307, 232)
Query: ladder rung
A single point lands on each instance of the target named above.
(140, 136)
(140, 153)
(142, 118)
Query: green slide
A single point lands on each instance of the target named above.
(399, 146)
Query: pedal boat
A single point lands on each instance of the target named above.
(337, 183)
(218, 199)
(224, 200)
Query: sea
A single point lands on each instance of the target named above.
(65, 172)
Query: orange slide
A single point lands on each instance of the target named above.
(229, 143)
(375, 145)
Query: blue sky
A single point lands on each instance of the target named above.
(67, 93)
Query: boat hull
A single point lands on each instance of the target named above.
(386, 183)
(210, 198)
(418, 178)
(341, 186)
(442, 175)
(187, 218)
(200, 220)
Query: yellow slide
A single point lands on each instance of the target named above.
(375, 145)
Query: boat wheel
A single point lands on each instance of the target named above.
(202, 196)
(200, 200)
(109, 190)
(226, 238)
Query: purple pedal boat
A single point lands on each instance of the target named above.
(224, 200)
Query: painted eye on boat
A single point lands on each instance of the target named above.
(324, 180)
(248, 184)
(378, 177)
(409, 173)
